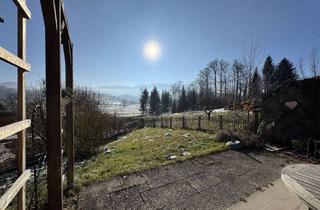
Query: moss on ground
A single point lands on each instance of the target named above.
(144, 149)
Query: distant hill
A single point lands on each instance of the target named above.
(8, 84)
(116, 94)
(120, 90)
(7, 88)
(117, 100)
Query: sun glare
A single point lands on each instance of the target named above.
(152, 50)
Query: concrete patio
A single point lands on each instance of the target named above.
(217, 181)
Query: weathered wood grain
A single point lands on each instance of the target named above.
(13, 128)
(304, 181)
(21, 107)
(8, 196)
(51, 10)
(23, 9)
(10, 58)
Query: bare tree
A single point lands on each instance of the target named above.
(214, 66)
(223, 68)
(237, 70)
(251, 56)
(176, 90)
(207, 101)
(11, 101)
(301, 67)
(314, 62)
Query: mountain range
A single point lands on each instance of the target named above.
(118, 90)
(115, 94)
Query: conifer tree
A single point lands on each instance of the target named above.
(154, 102)
(285, 71)
(144, 101)
(255, 85)
(268, 71)
(165, 101)
(183, 103)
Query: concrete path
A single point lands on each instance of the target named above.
(216, 181)
(276, 197)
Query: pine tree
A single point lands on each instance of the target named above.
(192, 99)
(154, 102)
(255, 85)
(183, 103)
(174, 106)
(268, 71)
(285, 71)
(165, 101)
(144, 101)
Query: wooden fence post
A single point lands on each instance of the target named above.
(161, 122)
(256, 121)
(220, 122)
(170, 122)
(183, 122)
(199, 122)
(153, 122)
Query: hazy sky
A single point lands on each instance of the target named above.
(109, 36)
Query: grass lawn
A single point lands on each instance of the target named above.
(147, 148)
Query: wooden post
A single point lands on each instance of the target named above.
(51, 10)
(69, 116)
(256, 121)
(21, 112)
(170, 122)
(153, 122)
(199, 122)
(141, 123)
(183, 123)
(220, 122)
(161, 122)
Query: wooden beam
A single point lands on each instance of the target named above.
(14, 128)
(51, 10)
(10, 58)
(23, 9)
(68, 52)
(21, 107)
(9, 195)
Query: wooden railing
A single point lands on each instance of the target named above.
(19, 127)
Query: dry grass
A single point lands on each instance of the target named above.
(147, 148)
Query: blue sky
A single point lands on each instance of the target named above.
(109, 36)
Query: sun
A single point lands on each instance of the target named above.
(152, 50)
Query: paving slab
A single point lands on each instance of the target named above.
(275, 197)
(216, 181)
(168, 194)
(196, 202)
(203, 181)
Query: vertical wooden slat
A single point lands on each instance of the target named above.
(52, 15)
(21, 112)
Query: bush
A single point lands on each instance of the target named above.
(224, 136)
(247, 138)
(90, 122)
